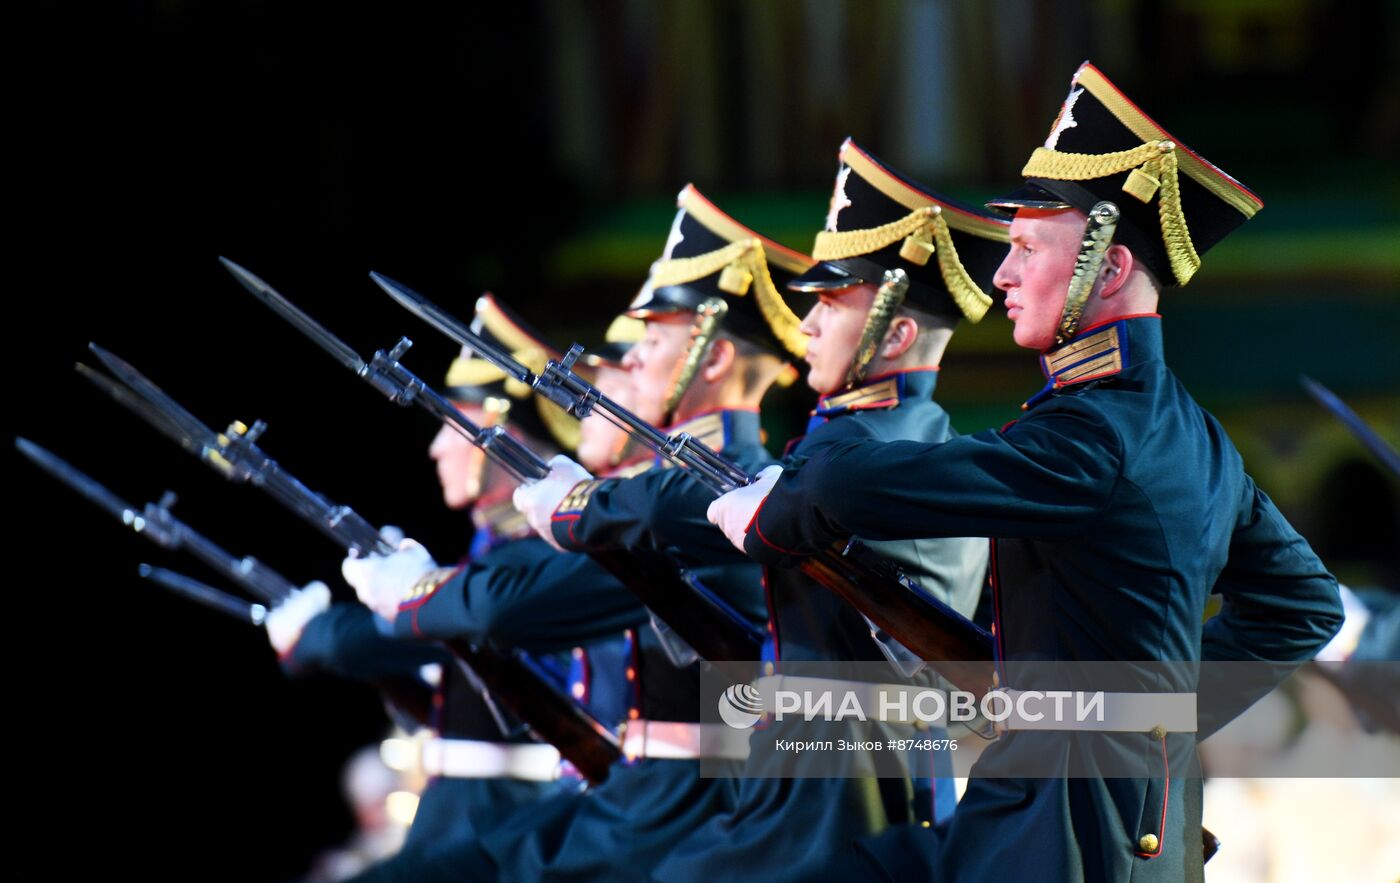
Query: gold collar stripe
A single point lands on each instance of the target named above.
(877, 393)
(708, 429)
(1084, 348)
(1220, 184)
(882, 180)
(1108, 363)
(925, 234)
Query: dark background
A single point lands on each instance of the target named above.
(534, 149)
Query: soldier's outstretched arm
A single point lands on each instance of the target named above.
(1279, 605)
(344, 641)
(523, 595)
(1045, 477)
(660, 511)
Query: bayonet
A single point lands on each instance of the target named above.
(173, 416)
(289, 311)
(156, 523)
(234, 454)
(401, 386)
(207, 595)
(1359, 428)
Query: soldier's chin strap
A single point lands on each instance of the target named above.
(888, 299)
(1098, 236)
(708, 318)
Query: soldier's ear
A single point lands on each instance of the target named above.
(904, 330)
(718, 360)
(1118, 263)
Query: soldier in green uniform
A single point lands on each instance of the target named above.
(1116, 505)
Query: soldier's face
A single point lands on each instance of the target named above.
(600, 441)
(459, 462)
(1036, 272)
(652, 362)
(833, 328)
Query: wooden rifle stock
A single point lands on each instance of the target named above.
(953, 646)
(554, 717)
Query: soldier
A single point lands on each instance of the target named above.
(873, 352)
(624, 826)
(481, 766)
(900, 267)
(1116, 505)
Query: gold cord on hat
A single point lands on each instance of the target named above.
(925, 234)
(742, 265)
(708, 318)
(888, 299)
(1152, 168)
(1098, 236)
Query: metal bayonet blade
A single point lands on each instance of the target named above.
(450, 325)
(293, 314)
(172, 415)
(1359, 428)
(140, 407)
(206, 595)
(77, 480)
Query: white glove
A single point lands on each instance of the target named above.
(382, 581)
(285, 621)
(540, 499)
(733, 512)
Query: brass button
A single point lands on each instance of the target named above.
(1158, 732)
(1148, 843)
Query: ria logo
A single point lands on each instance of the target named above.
(741, 706)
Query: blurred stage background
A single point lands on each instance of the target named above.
(534, 149)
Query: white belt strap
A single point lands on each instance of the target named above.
(677, 740)
(469, 759)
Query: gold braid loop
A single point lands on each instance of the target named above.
(741, 265)
(478, 372)
(1152, 167)
(925, 234)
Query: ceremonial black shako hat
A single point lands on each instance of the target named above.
(474, 380)
(711, 255)
(1173, 204)
(880, 220)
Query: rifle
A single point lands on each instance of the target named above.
(1343, 412)
(704, 621)
(958, 648)
(581, 739)
(156, 523)
(203, 594)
